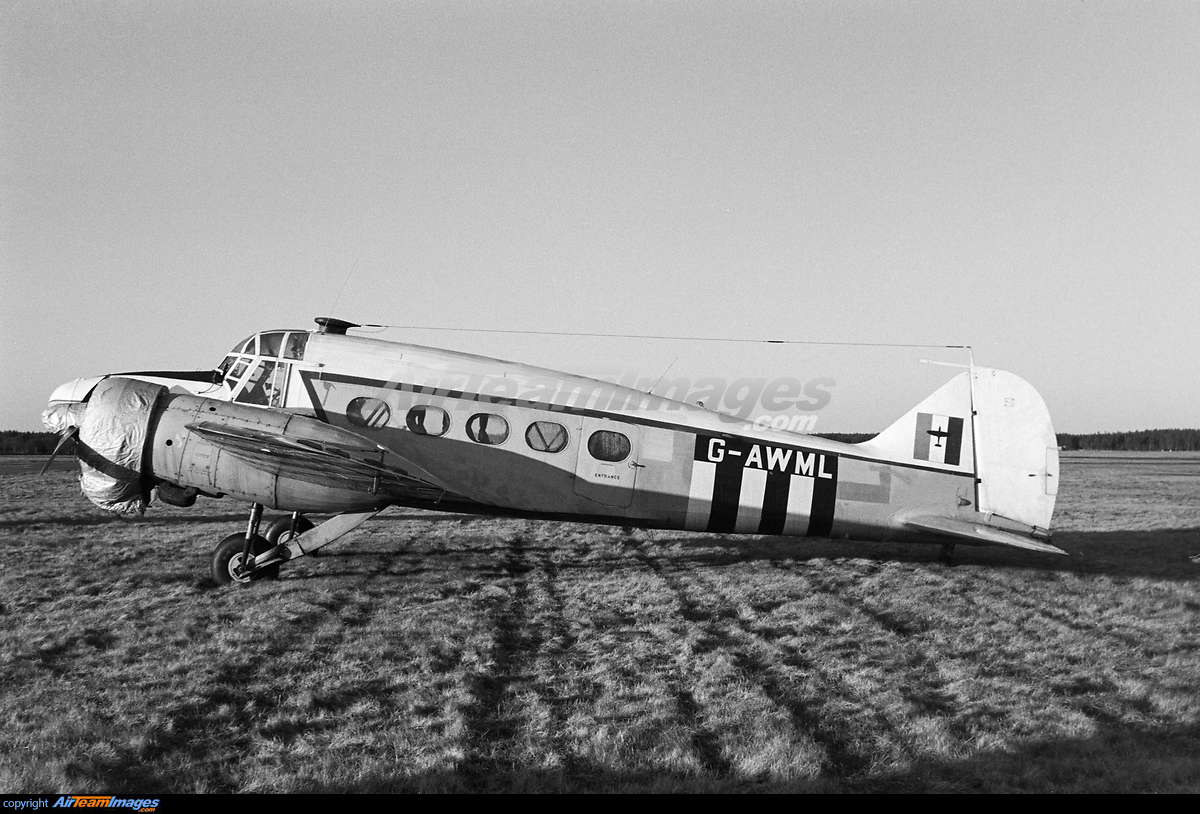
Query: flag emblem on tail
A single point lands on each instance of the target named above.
(938, 439)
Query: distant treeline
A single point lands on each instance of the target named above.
(42, 443)
(1140, 441)
(27, 443)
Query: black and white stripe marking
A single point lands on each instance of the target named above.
(742, 487)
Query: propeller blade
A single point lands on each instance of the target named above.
(68, 435)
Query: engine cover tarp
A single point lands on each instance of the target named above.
(112, 440)
(61, 417)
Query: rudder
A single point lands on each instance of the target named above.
(1017, 456)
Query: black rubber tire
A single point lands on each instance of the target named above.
(174, 495)
(278, 531)
(280, 528)
(228, 553)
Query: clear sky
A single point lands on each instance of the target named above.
(1023, 177)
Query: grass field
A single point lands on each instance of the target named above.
(430, 652)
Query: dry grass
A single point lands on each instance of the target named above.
(435, 653)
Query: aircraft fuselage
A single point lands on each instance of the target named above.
(325, 422)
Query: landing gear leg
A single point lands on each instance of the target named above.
(256, 511)
(947, 555)
(233, 558)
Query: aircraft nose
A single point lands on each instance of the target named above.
(76, 390)
(113, 416)
(67, 403)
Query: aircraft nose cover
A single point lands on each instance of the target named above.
(112, 440)
(61, 417)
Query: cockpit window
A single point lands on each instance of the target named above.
(288, 344)
(246, 346)
(294, 347)
(234, 375)
(261, 387)
(268, 344)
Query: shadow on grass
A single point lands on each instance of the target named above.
(1161, 554)
(208, 730)
(1118, 759)
(154, 516)
(112, 520)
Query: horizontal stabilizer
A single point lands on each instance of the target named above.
(978, 533)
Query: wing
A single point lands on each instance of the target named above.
(978, 533)
(357, 467)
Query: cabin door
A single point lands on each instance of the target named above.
(607, 467)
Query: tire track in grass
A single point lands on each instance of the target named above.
(530, 660)
(559, 664)
(1075, 664)
(705, 741)
(233, 707)
(838, 691)
(775, 674)
(616, 673)
(975, 661)
(491, 722)
(1032, 598)
(994, 664)
(918, 679)
(857, 728)
(1036, 630)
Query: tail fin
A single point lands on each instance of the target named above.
(993, 424)
(1017, 455)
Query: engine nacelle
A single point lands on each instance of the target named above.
(134, 435)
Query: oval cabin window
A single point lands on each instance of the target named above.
(606, 445)
(425, 419)
(487, 428)
(546, 436)
(368, 412)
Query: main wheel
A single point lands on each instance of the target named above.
(227, 557)
(280, 531)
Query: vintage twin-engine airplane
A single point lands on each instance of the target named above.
(325, 422)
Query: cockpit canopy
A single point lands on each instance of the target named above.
(257, 369)
(271, 342)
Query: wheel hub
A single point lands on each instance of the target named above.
(236, 571)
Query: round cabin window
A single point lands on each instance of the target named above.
(546, 436)
(425, 419)
(368, 412)
(487, 428)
